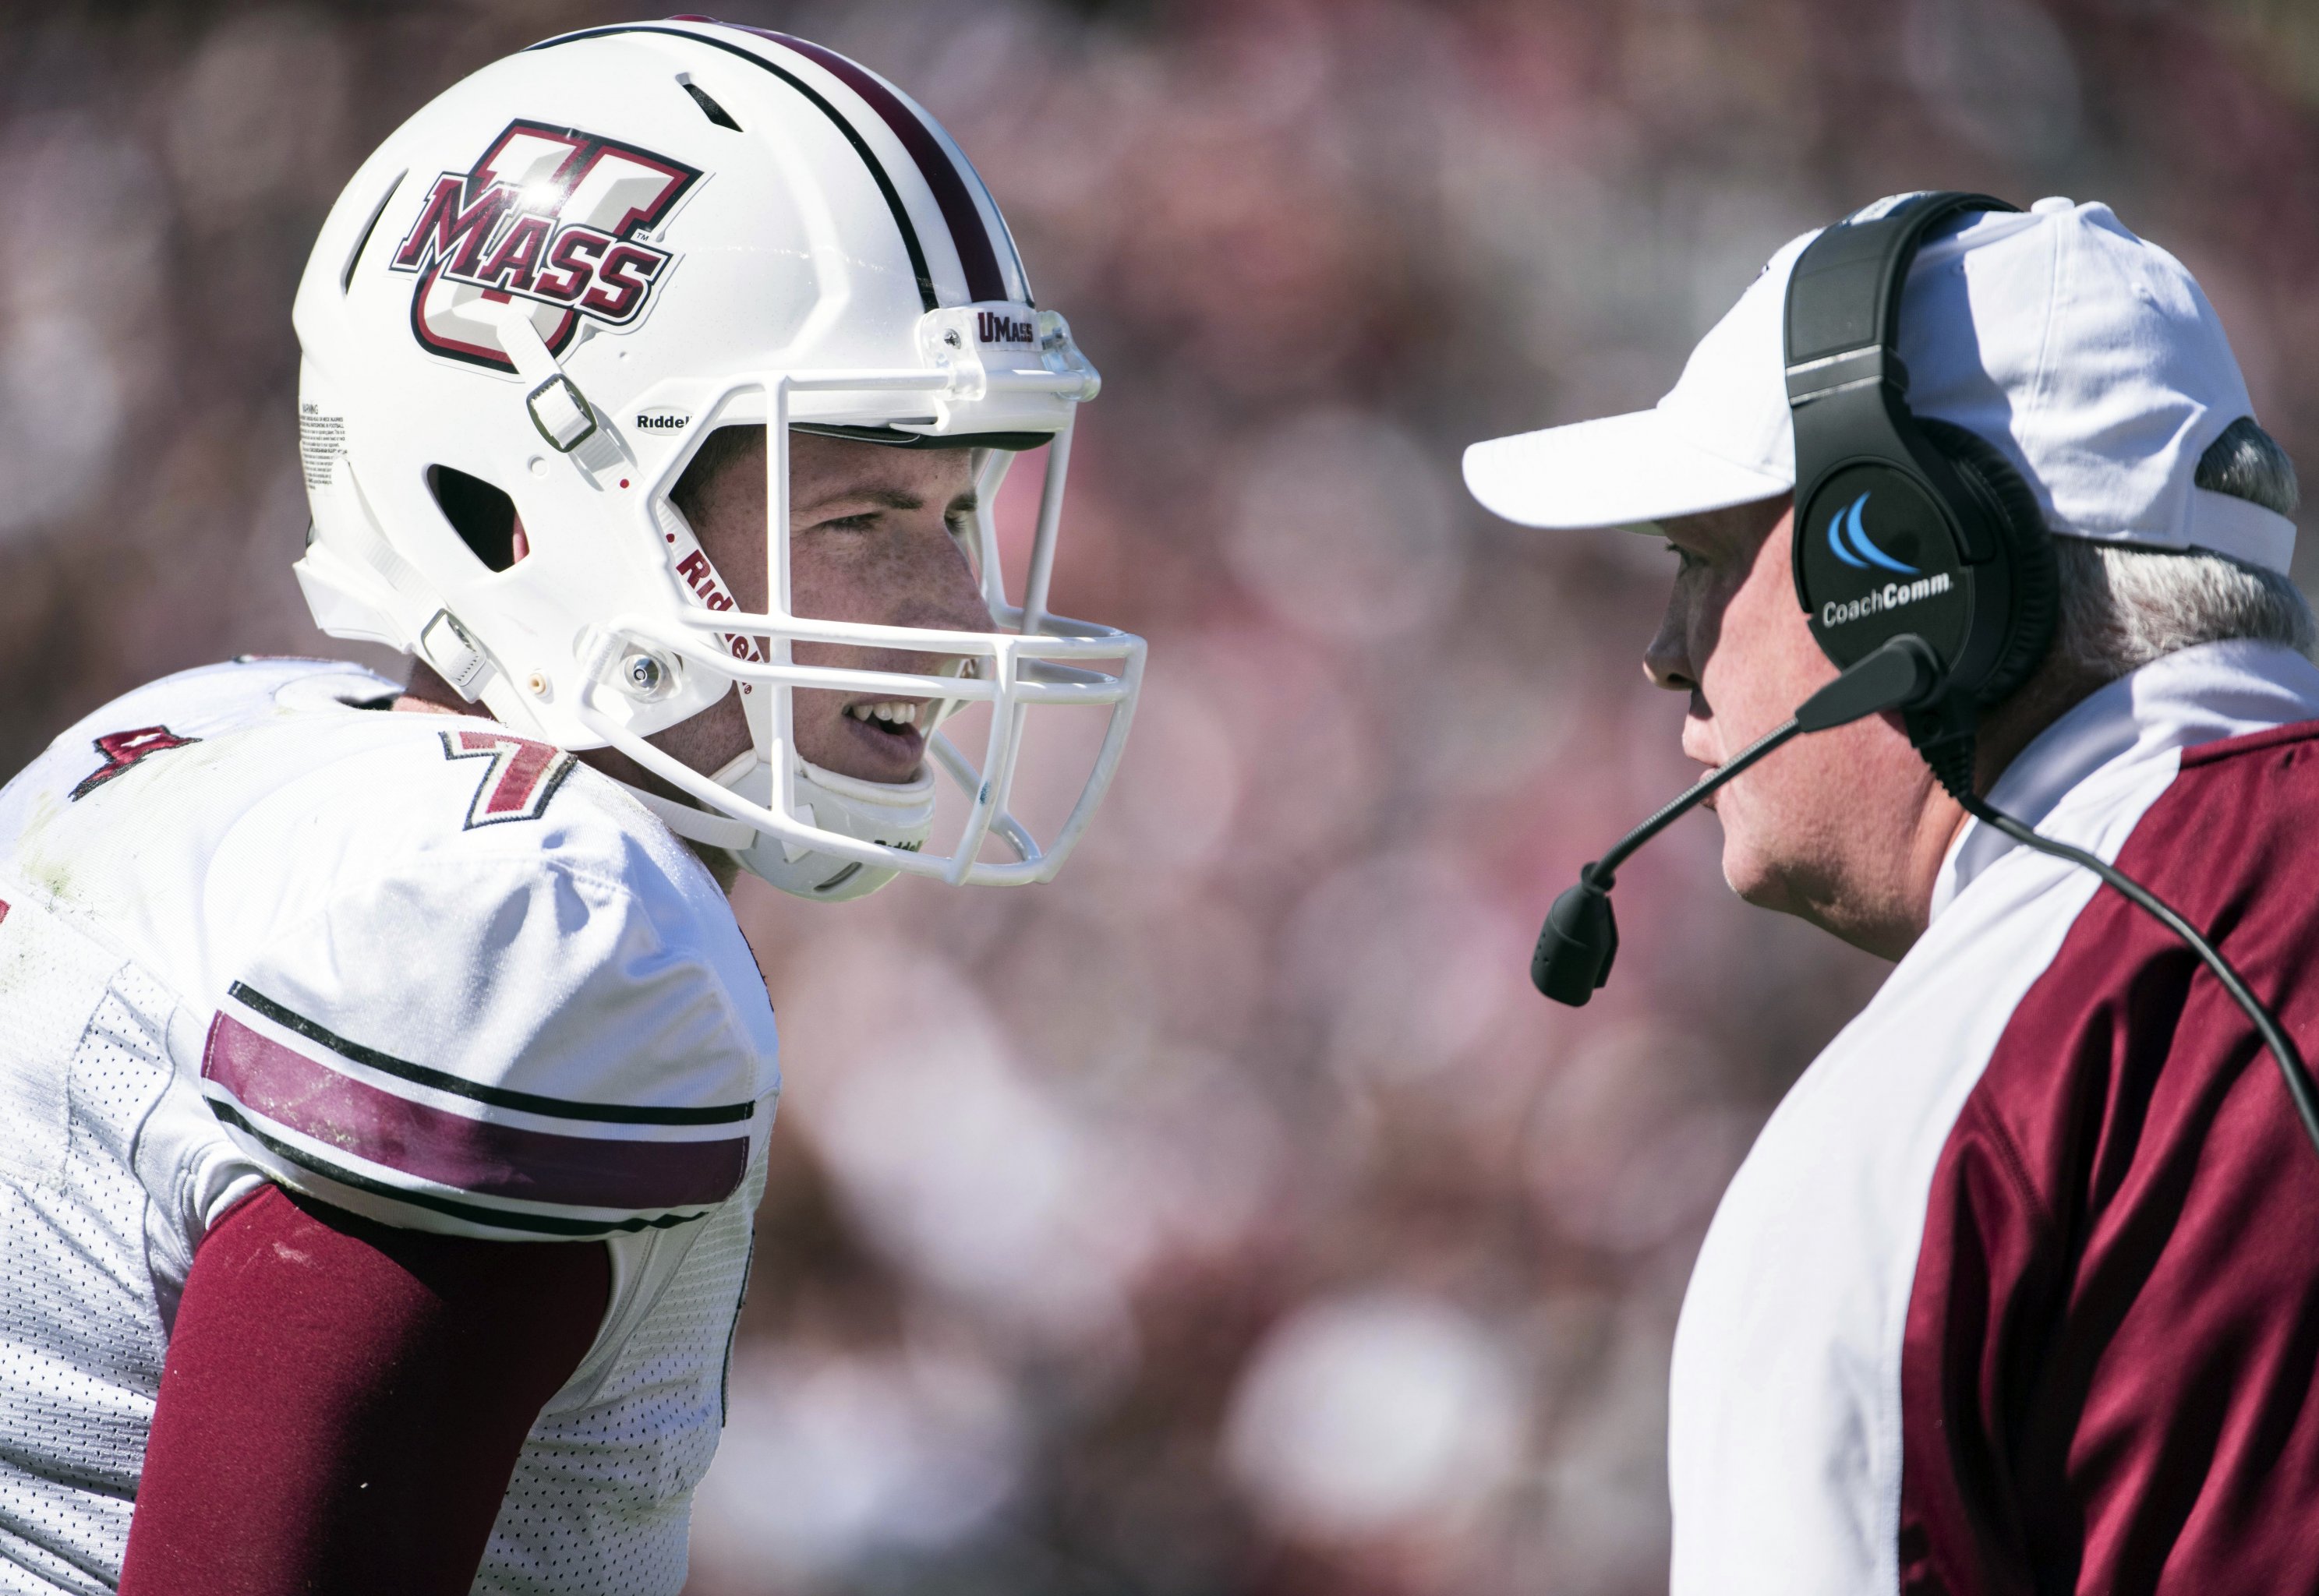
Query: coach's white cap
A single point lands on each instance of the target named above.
(2088, 357)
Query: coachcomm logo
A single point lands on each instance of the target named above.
(1844, 528)
(1891, 596)
(1848, 539)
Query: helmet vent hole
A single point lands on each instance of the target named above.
(711, 108)
(483, 516)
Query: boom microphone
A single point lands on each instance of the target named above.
(1580, 938)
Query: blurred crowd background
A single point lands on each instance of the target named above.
(1230, 1217)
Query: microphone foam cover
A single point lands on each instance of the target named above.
(1575, 946)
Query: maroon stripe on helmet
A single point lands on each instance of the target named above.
(296, 1091)
(983, 281)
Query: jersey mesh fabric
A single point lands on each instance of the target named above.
(601, 1501)
(81, 1338)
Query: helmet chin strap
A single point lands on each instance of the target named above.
(695, 826)
(895, 815)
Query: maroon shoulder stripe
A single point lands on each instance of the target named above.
(984, 280)
(476, 1156)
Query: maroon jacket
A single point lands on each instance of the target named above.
(2019, 1290)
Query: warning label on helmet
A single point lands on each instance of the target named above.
(321, 439)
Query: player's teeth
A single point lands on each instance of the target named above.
(892, 713)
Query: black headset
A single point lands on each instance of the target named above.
(1905, 526)
(1926, 569)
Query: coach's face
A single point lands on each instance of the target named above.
(1845, 828)
(876, 534)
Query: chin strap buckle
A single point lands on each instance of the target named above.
(560, 412)
(455, 655)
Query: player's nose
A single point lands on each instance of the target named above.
(939, 590)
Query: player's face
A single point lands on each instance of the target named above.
(876, 534)
(1826, 828)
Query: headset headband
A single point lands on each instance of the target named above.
(1843, 297)
(1896, 531)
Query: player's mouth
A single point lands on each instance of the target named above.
(891, 725)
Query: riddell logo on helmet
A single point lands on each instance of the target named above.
(551, 216)
(700, 576)
(992, 326)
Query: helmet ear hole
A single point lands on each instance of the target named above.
(483, 516)
(2011, 507)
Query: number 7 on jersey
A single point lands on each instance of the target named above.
(522, 776)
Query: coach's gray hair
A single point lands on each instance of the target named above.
(2123, 607)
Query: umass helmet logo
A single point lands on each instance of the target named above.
(550, 215)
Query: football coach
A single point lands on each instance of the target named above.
(2019, 1289)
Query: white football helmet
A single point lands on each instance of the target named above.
(563, 274)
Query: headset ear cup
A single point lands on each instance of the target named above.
(2026, 546)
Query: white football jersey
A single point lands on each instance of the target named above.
(407, 964)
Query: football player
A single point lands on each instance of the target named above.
(384, 1082)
